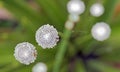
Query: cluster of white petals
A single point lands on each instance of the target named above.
(39, 67)
(47, 36)
(97, 9)
(101, 31)
(76, 7)
(25, 53)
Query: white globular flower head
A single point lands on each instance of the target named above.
(39, 67)
(97, 9)
(76, 7)
(25, 53)
(101, 31)
(47, 36)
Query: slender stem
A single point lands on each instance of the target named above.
(61, 51)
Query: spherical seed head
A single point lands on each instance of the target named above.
(76, 7)
(47, 36)
(101, 31)
(39, 67)
(97, 9)
(25, 53)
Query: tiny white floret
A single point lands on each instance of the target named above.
(74, 18)
(76, 7)
(39, 67)
(97, 9)
(69, 25)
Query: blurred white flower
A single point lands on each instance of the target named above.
(97, 9)
(101, 31)
(74, 18)
(25, 53)
(76, 7)
(39, 67)
(47, 36)
(69, 25)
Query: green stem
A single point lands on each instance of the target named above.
(61, 51)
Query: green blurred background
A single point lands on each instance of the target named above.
(19, 20)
